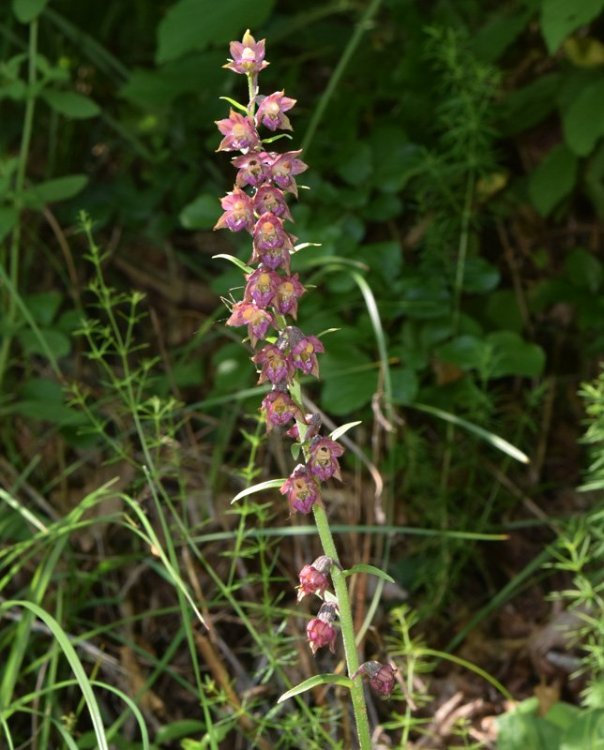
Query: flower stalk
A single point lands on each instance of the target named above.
(283, 353)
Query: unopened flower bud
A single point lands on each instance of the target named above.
(381, 677)
(313, 578)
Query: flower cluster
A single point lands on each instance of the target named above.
(258, 205)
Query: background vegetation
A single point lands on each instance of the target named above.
(457, 191)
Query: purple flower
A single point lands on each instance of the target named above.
(272, 244)
(271, 111)
(247, 55)
(313, 422)
(381, 677)
(238, 211)
(287, 294)
(261, 286)
(320, 630)
(301, 489)
(284, 167)
(304, 351)
(278, 408)
(258, 321)
(275, 364)
(313, 578)
(253, 169)
(323, 460)
(269, 199)
(239, 133)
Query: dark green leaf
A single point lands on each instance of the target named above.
(553, 179)
(50, 191)
(195, 24)
(559, 18)
(513, 356)
(202, 213)
(58, 343)
(405, 385)
(466, 352)
(355, 164)
(43, 306)
(8, 219)
(583, 121)
(479, 276)
(70, 104)
(28, 10)
(584, 270)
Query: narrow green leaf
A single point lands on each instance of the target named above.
(28, 10)
(370, 570)
(239, 263)
(312, 682)
(497, 442)
(339, 431)
(71, 104)
(268, 485)
(234, 103)
(74, 662)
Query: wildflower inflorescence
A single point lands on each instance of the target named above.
(258, 205)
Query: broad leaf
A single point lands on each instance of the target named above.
(202, 213)
(50, 191)
(71, 104)
(553, 179)
(195, 24)
(28, 10)
(559, 18)
(583, 121)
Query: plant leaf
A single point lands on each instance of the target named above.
(234, 103)
(268, 485)
(202, 213)
(559, 18)
(312, 682)
(195, 24)
(58, 189)
(553, 179)
(71, 104)
(339, 431)
(497, 442)
(239, 263)
(28, 10)
(370, 570)
(583, 121)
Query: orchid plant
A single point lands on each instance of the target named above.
(258, 205)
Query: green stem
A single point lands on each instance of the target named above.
(28, 120)
(347, 627)
(353, 43)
